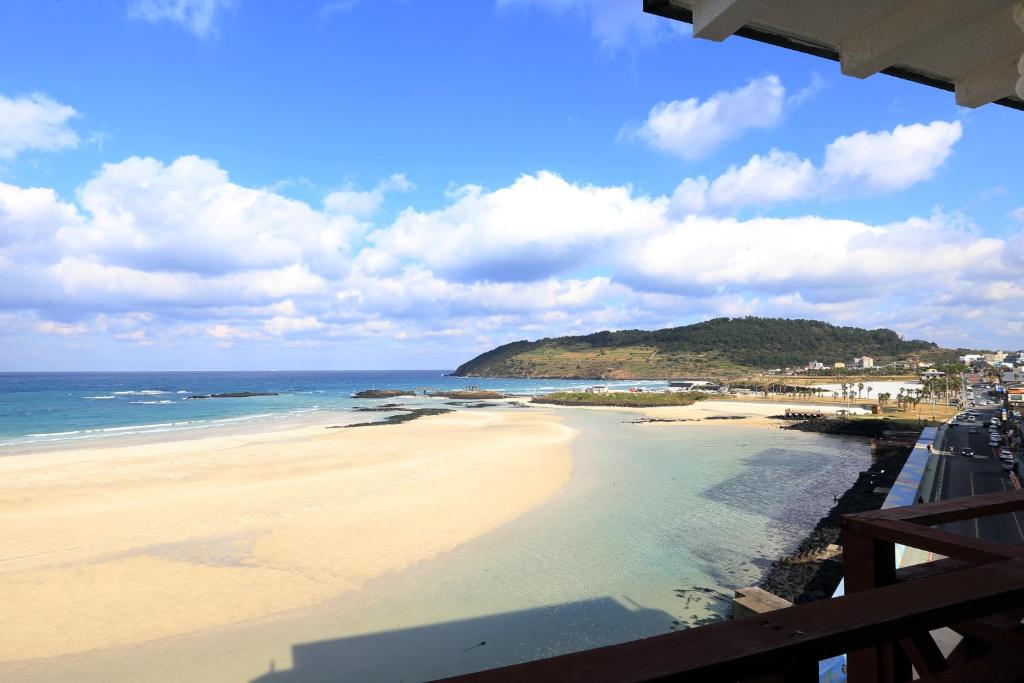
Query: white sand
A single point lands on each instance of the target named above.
(106, 547)
(756, 414)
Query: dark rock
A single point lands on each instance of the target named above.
(381, 393)
(408, 415)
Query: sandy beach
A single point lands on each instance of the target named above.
(754, 414)
(118, 545)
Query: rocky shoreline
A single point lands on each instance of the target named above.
(401, 415)
(812, 572)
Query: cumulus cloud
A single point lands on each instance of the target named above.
(823, 259)
(34, 122)
(538, 226)
(189, 217)
(693, 129)
(857, 165)
(890, 160)
(151, 252)
(198, 17)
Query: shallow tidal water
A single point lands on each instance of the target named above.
(656, 528)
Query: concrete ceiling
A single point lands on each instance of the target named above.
(972, 47)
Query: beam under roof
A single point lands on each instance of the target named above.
(970, 47)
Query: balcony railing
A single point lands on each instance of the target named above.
(883, 623)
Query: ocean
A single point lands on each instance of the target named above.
(55, 408)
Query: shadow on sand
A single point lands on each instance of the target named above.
(424, 653)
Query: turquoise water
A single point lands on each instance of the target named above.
(56, 408)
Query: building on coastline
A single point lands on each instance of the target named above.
(932, 373)
(815, 365)
(597, 389)
(838, 365)
(864, 362)
(994, 358)
(693, 385)
(969, 358)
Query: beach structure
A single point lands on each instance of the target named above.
(885, 620)
(970, 47)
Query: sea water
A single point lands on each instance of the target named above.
(44, 409)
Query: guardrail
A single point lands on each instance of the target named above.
(883, 622)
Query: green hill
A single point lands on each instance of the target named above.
(721, 347)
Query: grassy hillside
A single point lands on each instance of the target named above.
(723, 347)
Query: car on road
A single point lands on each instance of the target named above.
(967, 452)
(974, 430)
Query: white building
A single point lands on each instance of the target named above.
(969, 358)
(864, 362)
(815, 365)
(993, 358)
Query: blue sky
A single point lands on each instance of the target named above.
(394, 184)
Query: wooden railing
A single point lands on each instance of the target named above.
(883, 622)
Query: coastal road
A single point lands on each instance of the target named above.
(981, 473)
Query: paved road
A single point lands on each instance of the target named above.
(982, 473)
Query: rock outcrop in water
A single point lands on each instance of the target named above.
(405, 415)
(381, 393)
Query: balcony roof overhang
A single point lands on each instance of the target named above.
(974, 48)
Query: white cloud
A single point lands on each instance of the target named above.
(1018, 214)
(189, 217)
(777, 177)
(34, 122)
(858, 165)
(282, 325)
(823, 259)
(365, 202)
(890, 160)
(151, 251)
(538, 226)
(693, 129)
(196, 16)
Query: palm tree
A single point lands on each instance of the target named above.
(869, 391)
(860, 388)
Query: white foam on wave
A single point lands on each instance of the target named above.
(98, 398)
(152, 403)
(243, 417)
(142, 392)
